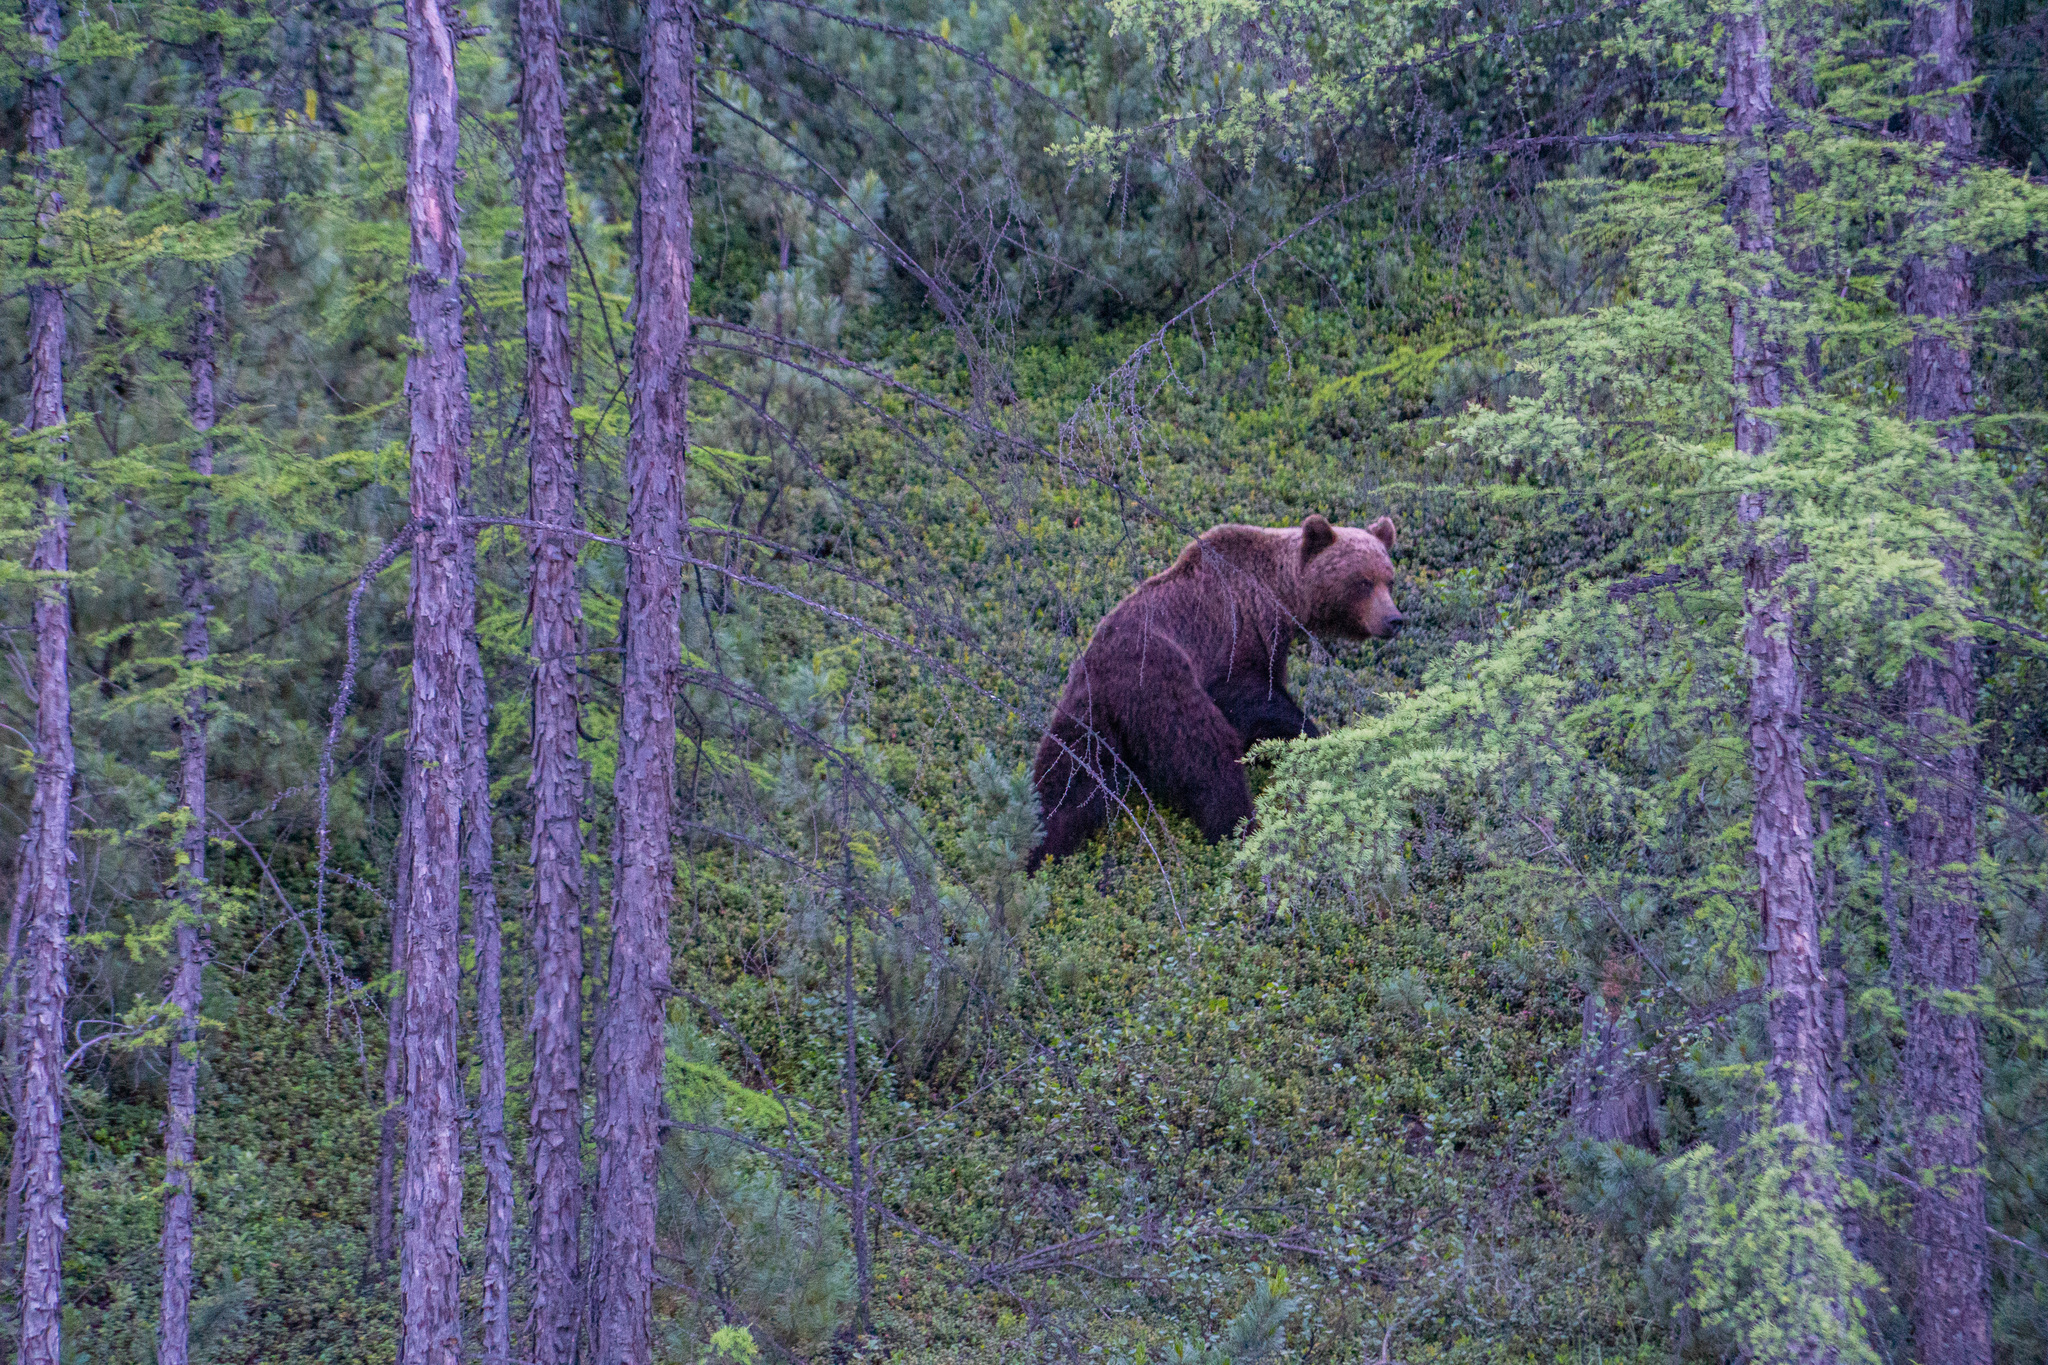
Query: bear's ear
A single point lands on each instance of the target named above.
(1383, 530)
(1317, 535)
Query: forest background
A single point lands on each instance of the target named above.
(1477, 1048)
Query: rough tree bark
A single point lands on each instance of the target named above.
(39, 1121)
(195, 593)
(384, 1239)
(443, 613)
(630, 1044)
(1783, 819)
(1951, 1301)
(488, 935)
(556, 1123)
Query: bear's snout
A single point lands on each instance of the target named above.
(1378, 618)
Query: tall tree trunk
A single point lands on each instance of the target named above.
(630, 1044)
(556, 1127)
(39, 1120)
(384, 1240)
(195, 591)
(478, 864)
(1782, 825)
(1782, 818)
(443, 614)
(1951, 1309)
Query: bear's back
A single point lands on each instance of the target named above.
(1233, 551)
(1227, 593)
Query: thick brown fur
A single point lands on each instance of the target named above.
(1191, 669)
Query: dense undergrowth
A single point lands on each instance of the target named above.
(1105, 1135)
(1168, 1078)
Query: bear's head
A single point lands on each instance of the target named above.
(1347, 579)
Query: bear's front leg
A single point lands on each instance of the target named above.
(1184, 749)
(1258, 710)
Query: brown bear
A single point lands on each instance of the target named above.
(1191, 669)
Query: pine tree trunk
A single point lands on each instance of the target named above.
(630, 1044)
(1943, 1064)
(443, 613)
(384, 1240)
(1782, 825)
(1781, 822)
(195, 591)
(1783, 835)
(39, 1120)
(488, 935)
(17, 921)
(555, 1138)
